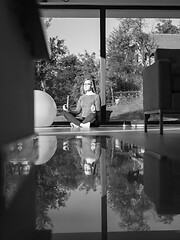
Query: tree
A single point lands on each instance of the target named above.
(88, 68)
(64, 72)
(165, 26)
(71, 70)
(47, 70)
(67, 70)
(54, 181)
(127, 49)
(46, 22)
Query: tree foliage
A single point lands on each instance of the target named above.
(165, 26)
(64, 73)
(127, 50)
(46, 70)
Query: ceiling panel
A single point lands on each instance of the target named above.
(133, 12)
(117, 2)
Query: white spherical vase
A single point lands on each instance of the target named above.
(45, 109)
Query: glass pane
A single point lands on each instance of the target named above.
(131, 43)
(74, 42)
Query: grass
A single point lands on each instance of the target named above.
(132, 109)
(127, 109)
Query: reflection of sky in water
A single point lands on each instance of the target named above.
(129, 208)
(81, 214)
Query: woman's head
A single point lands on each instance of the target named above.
(89, 166)
(88, 85)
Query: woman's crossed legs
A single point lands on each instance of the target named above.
(89, 121)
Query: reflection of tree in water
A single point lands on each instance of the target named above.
(63, 173)
(126, 196)
(56, 179)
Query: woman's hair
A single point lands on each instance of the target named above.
(92, 84)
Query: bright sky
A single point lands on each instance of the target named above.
(82, 34)
(79, 34)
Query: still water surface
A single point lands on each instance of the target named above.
(86, 182)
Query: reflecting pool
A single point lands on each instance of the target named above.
(95, 184)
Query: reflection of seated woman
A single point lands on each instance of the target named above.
(89, 149)
(88, 105)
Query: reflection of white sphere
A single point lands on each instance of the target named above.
(44, 109)
(47, 146)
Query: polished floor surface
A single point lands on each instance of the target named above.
(101, 183)
(168, 143)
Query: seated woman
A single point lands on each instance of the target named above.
(89, 150)
(88, 105)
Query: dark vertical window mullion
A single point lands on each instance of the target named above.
(103, 63)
